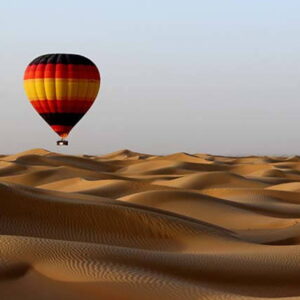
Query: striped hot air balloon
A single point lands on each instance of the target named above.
(62, 88)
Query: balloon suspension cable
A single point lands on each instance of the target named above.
(62, 142)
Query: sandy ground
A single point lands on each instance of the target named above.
(135, 226)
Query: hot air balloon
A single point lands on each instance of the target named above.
(62, 88)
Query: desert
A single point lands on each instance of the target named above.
(129, 225)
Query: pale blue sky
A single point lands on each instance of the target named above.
(217, 76)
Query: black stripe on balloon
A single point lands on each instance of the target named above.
(58, 58)
(65, 119)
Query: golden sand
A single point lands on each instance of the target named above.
(136, 226)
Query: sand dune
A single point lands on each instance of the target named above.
(129, 225)
(202, 180)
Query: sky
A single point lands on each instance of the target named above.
(220, 77)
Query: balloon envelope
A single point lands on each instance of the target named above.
(62, 88)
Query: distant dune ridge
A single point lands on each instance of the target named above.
(129, 225)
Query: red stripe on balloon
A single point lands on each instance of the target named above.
(62, 130)
(61, 71)
(61, 106)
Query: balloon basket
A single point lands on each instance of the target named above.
(62, 143)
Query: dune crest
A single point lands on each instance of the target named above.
(128, 225)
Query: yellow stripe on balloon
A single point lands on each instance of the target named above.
(61, 89)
